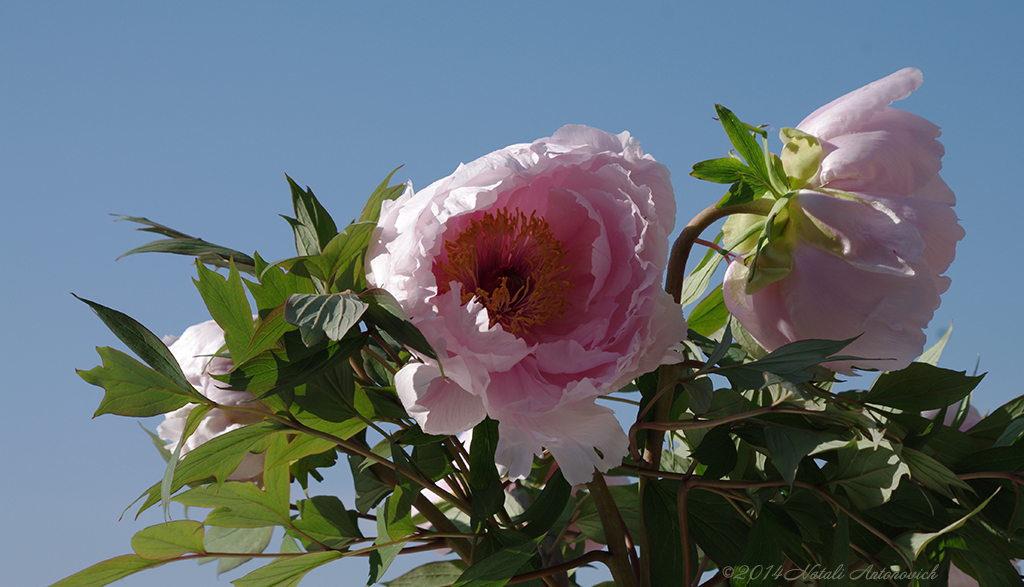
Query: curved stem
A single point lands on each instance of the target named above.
(684, 242)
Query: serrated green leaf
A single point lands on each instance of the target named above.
(133, 389)
(921, 387)
(436, 574)
(286, 571)
(497, 569)
(146, 345)
(108, 571)
(316, 316)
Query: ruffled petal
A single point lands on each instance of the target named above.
(439, 403)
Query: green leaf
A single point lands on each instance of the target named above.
(745, 144)
(696, 283)
(763, 550)
(132, 389)
(931, 354)
(741, 192)
(269, 331)
(788, 446)
(386, 313)
(325, 519)
(839, 557)
(921, 387)
(393, 524)
(931, 473)
(484, 482)
(717, 451)
(715, 527)
(994, 425)
(313, 226)
(109, 571)
(216, 458)
(195, 417)
(286, 571)
(169, 540)
(436, 574)
(627, 499)
(236, 540)
(869, 474)
(237, 505)
(497, 569)
(661, 522)
(183, 244)
(915, 542)
(319, 315)
(710, 314)
(371, 212)
(724, 170)
(143, 343)
(548, 507)
(276, 285)
(226, 301)
(342, 261)
(792, 362)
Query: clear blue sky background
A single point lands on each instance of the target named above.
(190, 113)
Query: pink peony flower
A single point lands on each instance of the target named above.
(868, 237)
(535, 272)
(196, 352)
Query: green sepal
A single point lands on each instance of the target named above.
(801, 156)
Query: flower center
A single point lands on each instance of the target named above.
(513, 265)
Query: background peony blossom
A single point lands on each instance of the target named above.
(195, 351)
(535, 272)
(873, 231)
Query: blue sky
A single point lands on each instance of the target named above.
(190, 113)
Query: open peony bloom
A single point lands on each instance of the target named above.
(196, 352)
(868, 236)
(535, 273)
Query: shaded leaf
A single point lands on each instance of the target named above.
(921, 387)
(497, 569)
(325, 314)
(436, 574)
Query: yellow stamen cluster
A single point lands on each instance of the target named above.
(513, 265)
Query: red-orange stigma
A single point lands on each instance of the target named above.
(513, 265)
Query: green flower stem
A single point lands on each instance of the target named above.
(614, 532)
(684, 242)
